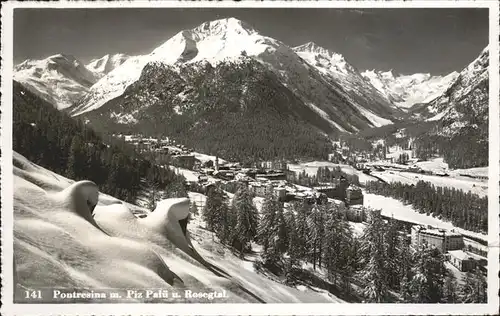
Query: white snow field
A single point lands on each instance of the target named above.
(190, 175)
(472, 172)
(463, 183)
(408, 90)
(106, 64)
(67, 235)
(312, 167)
(397, 209)
(433, 165)
(204, 158)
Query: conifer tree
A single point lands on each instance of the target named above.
(429, 273)
(292, 241)
(247, 219)
(76, 158)
(338, 254)
(177, 188)
(450, 289)
(193, 209)
(281, 230)
(228, 233)
(316, 226)
(473, 288)
(268, 211)
(153, 186)
(404, 269)
(273, 231)
(302, 232)
(291, 251)
(375, 258)
(215, 210)
(393, 248)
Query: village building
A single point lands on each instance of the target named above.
(273, 165)
(369, 213)
(258, 189)
(439, 238)
(311, 198)
(355, 213)
(224, 174)
(272, 176)
(263, 189)
(462, 261)
(337, 157)
(184, 161)
(336, 190)
(354, 196)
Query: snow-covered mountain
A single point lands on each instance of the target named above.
(467, 97)
(461, 116)
(408, 90)
(107, 63)
(59, 79)
(231, 40)
(335, 67)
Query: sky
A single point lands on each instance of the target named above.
(407, 41)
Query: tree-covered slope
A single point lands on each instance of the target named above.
(237, 110)
(64, 145)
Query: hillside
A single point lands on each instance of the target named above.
(57, 245)
(56, 141)
(335, 68)
(206, 108)
(452, 125)
(461, 112)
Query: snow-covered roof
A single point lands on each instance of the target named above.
(438, 232)
(460, 254)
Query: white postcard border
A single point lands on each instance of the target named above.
(9, 308)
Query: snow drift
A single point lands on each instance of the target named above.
(68, 235)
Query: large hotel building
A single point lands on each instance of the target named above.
(439, 238)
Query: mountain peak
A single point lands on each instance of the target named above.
(59, 79)
(215, 40)
(106, 63)
(63, 60)
(62, 56)
(224, 26)
(312, 47)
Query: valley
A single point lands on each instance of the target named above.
(227, 160)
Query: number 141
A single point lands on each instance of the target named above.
(33, 294)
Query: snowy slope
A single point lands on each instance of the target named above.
(112, 85)
(55, 245)
(466, 97)
(394, 208)
(460, 117)
(59, 79)
(231, 40)
(462, 183)
(311, 168)
(107, 63)
(434, 165)
(334, 67)
(408, 90)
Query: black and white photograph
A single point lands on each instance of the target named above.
(211, 154)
